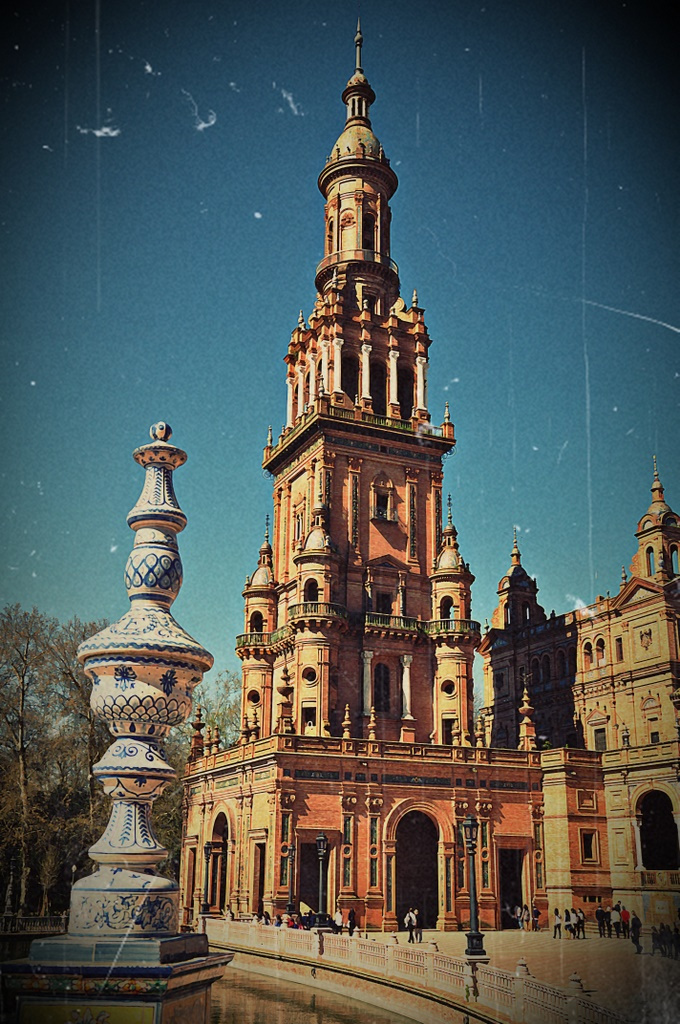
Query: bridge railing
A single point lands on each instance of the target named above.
(519, 998)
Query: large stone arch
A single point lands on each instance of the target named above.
(416, 836)
(657, 819)
(220, 834)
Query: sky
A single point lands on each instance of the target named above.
(161, 226)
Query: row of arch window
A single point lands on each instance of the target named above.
(348, 233)
(379, 386)
(565, 666)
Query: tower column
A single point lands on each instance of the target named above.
(290, 399)
(421, 383)
(312, 378)
(367, 657)
(300, 390)
(406, 660)
(324, 364)
(393, 357)
(337, 365)
(366, 371)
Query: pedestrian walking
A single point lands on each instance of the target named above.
(351, 921)
(518, 916)
(581, 921)
(557, 925)
(608, 921)
(625, 922)
(526, 917)
(418, 926)
(410, 923)
(568, 926)
(535, 914)
(337, 922)
(635, 929)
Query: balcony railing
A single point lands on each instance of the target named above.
(316, 610)
(439, 627)
(253, 640)
(384, 621)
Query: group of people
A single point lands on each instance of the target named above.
(414, 925)
(574, 923)
(527, 919)
(616, 920)
(666, 941)
(306, 921)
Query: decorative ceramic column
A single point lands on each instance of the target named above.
(337, 365)
(366, 371)
(290, 398)
(123, 942)
(420, 383)
(143, 669)
(394, 393)
(406, 660)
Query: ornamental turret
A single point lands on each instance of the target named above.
(658, 536)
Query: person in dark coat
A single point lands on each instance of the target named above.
(635, 929)
(599, 917)
(351, 921)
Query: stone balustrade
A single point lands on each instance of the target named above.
(518, 998)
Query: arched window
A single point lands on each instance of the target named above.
(256, 622)
(588, 655)
(381, 688)
(526, 612)
(350, 376)
(329, 237)
(382, 499)
(311, 591)
(674, 561)
(561, 664)
(405, 391)
(535, 671)
(368, 231)
(545, 669)
(599, 651)
(447, 609)
(218, 864)
(379, 388)
(650, 561)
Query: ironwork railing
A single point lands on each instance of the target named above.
(435, 627)
(390, 621)
(253, 640)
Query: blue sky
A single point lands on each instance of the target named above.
(161, 226)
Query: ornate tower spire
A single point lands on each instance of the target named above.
(358, 40)
(143, 669)
(515, 554)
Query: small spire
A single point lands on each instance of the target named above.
(414, 299)
(358, 40)
(266, 528)
(657, 486)
(449, 516)
(270, 436)
(624, 577)
(301, 320)
(447, 413)
(372, 725)
(515, 554)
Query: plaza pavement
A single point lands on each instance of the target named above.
(643, 988)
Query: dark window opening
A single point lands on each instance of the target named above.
(383, 603)
(379, 388)
(600, 737)
(381, 689)
(405, 392)
(350, 376)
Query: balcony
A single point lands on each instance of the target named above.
(390, 623)
(252, 640)
(317, 610)
(450, 627)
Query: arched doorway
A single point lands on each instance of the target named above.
(658, 833)
(416, 876)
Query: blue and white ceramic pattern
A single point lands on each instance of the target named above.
(144, 669)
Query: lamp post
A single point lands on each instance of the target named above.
(207, 853)
(291, 867)
(321, 849)
(475, 943)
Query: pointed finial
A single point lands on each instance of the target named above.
(414, 299)
(449, 517)
(624, 577)
(266, 528)
(347, 724)
(515, 553)
(301, 320)
(447, 413)
(270, 436)
(358, 40)
(334, 279)
(657, 486)
(372, 725)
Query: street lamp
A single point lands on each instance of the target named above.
(321, 849)
(475, 943)
(291, 867)
(207, 853)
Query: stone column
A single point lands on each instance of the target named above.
(300, 390)
(312, 377)
(639, 866)
(366, 371)
(290, 398)
(406, 660)
(325, 346)
(420, 383)
(394, 394)
(367, 656)
(337, 365)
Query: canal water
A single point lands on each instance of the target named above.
(242, 997)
